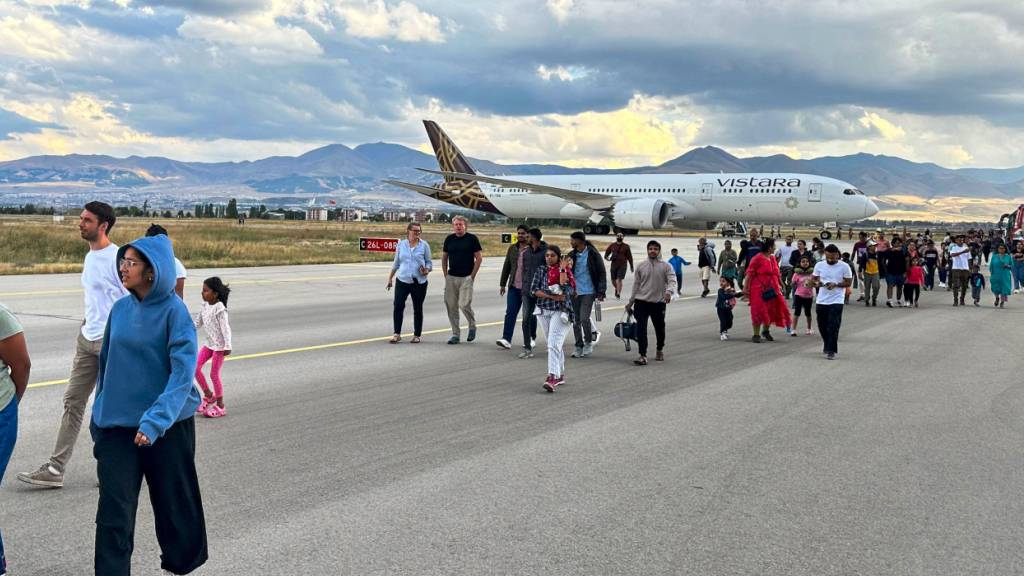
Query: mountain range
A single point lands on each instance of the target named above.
(339, 170)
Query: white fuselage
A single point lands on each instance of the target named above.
(768, 198)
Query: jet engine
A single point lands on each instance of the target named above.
(641, 213)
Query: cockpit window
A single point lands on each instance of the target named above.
(849, 191)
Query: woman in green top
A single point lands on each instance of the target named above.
(727, 261)
(14, 368)
(1001, 268)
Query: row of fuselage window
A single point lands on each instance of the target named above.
(678, 190)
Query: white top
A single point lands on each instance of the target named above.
(213, 318)
(179, 270)
(783, 253)
(833, 273)
(963, 261)
(103, 287)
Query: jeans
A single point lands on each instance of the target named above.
(169, 467)
(529, 319)
(830, 317)
(655, 311)
(582, 306)
(513, 304)
(929, 276)
(402, 293)
(555, 331)
(943, 275)
(8, 436)
(1018, 275)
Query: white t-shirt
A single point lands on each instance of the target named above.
(179, 270)
(783, 253)
(963, 261)
(103, 287)
(834, 273)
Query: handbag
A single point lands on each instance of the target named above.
(769, 294)
(626, 330)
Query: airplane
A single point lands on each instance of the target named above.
(627, 203)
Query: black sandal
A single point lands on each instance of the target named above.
(642, 361)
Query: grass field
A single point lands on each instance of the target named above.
(37, 245)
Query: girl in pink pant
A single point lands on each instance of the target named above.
(213, 318)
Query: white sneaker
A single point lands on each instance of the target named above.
(525, 354)
(577, 353)
(533, 343)
(504, 344)
(1016, 291)
(723, 336)
(588, 349)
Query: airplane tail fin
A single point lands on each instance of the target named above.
(449, 157)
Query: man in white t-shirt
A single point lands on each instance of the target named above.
(832, 276)
(102, 285)
(960, 253)
(782, 256)
(180, 274)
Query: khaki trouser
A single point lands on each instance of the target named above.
(458, 295)
(84, 370)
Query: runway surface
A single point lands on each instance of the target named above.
(343, 454)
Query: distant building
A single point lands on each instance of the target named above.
(352, 215)
(392, 216)
(316, 213)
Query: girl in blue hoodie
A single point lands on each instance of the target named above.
(143, 421)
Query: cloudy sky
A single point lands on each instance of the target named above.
(576, 82)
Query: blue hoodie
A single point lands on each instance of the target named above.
(149, 353)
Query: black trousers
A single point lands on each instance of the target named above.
(830, 317)
(402, 293)
(912, 292)
(655, 311)
(724, 319)
(170, 471)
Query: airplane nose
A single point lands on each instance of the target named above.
(870, 209)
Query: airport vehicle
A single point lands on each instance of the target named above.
(1012, 224)
(629, 202)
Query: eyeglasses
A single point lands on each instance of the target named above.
(128, 263)
(416, 231)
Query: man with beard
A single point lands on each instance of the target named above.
(103, 287)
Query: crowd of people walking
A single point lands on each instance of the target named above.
(137, 346)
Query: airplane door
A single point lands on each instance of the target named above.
(575, 187)
(705, 191)
(815, 193)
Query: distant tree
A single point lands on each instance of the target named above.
(167, 214)
(208, 211)
(181, 214)
(232, 209)
(145, 206)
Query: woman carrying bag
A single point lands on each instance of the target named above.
(762, 287)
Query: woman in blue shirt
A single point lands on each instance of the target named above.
(412, 264)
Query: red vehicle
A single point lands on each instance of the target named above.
(1012, 224)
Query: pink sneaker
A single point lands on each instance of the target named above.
(204, 405)
(550, 383)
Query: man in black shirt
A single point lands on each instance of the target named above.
(460, 261)
(749, 249)
(895, 271)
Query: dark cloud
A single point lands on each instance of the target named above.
(14, 123)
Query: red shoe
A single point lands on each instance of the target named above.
(550, 383)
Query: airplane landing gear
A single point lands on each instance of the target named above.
(825, 235)
(598, 229)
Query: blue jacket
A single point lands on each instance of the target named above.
(148, 354)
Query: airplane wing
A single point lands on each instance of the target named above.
(425, 190)
(587, 199)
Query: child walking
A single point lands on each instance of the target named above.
(724, 304)
(213, 318)
(803, 294)
(977, 283)
(915, 279)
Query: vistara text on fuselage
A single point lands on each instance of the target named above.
(644, 201)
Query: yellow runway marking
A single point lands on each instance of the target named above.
(315, 347)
